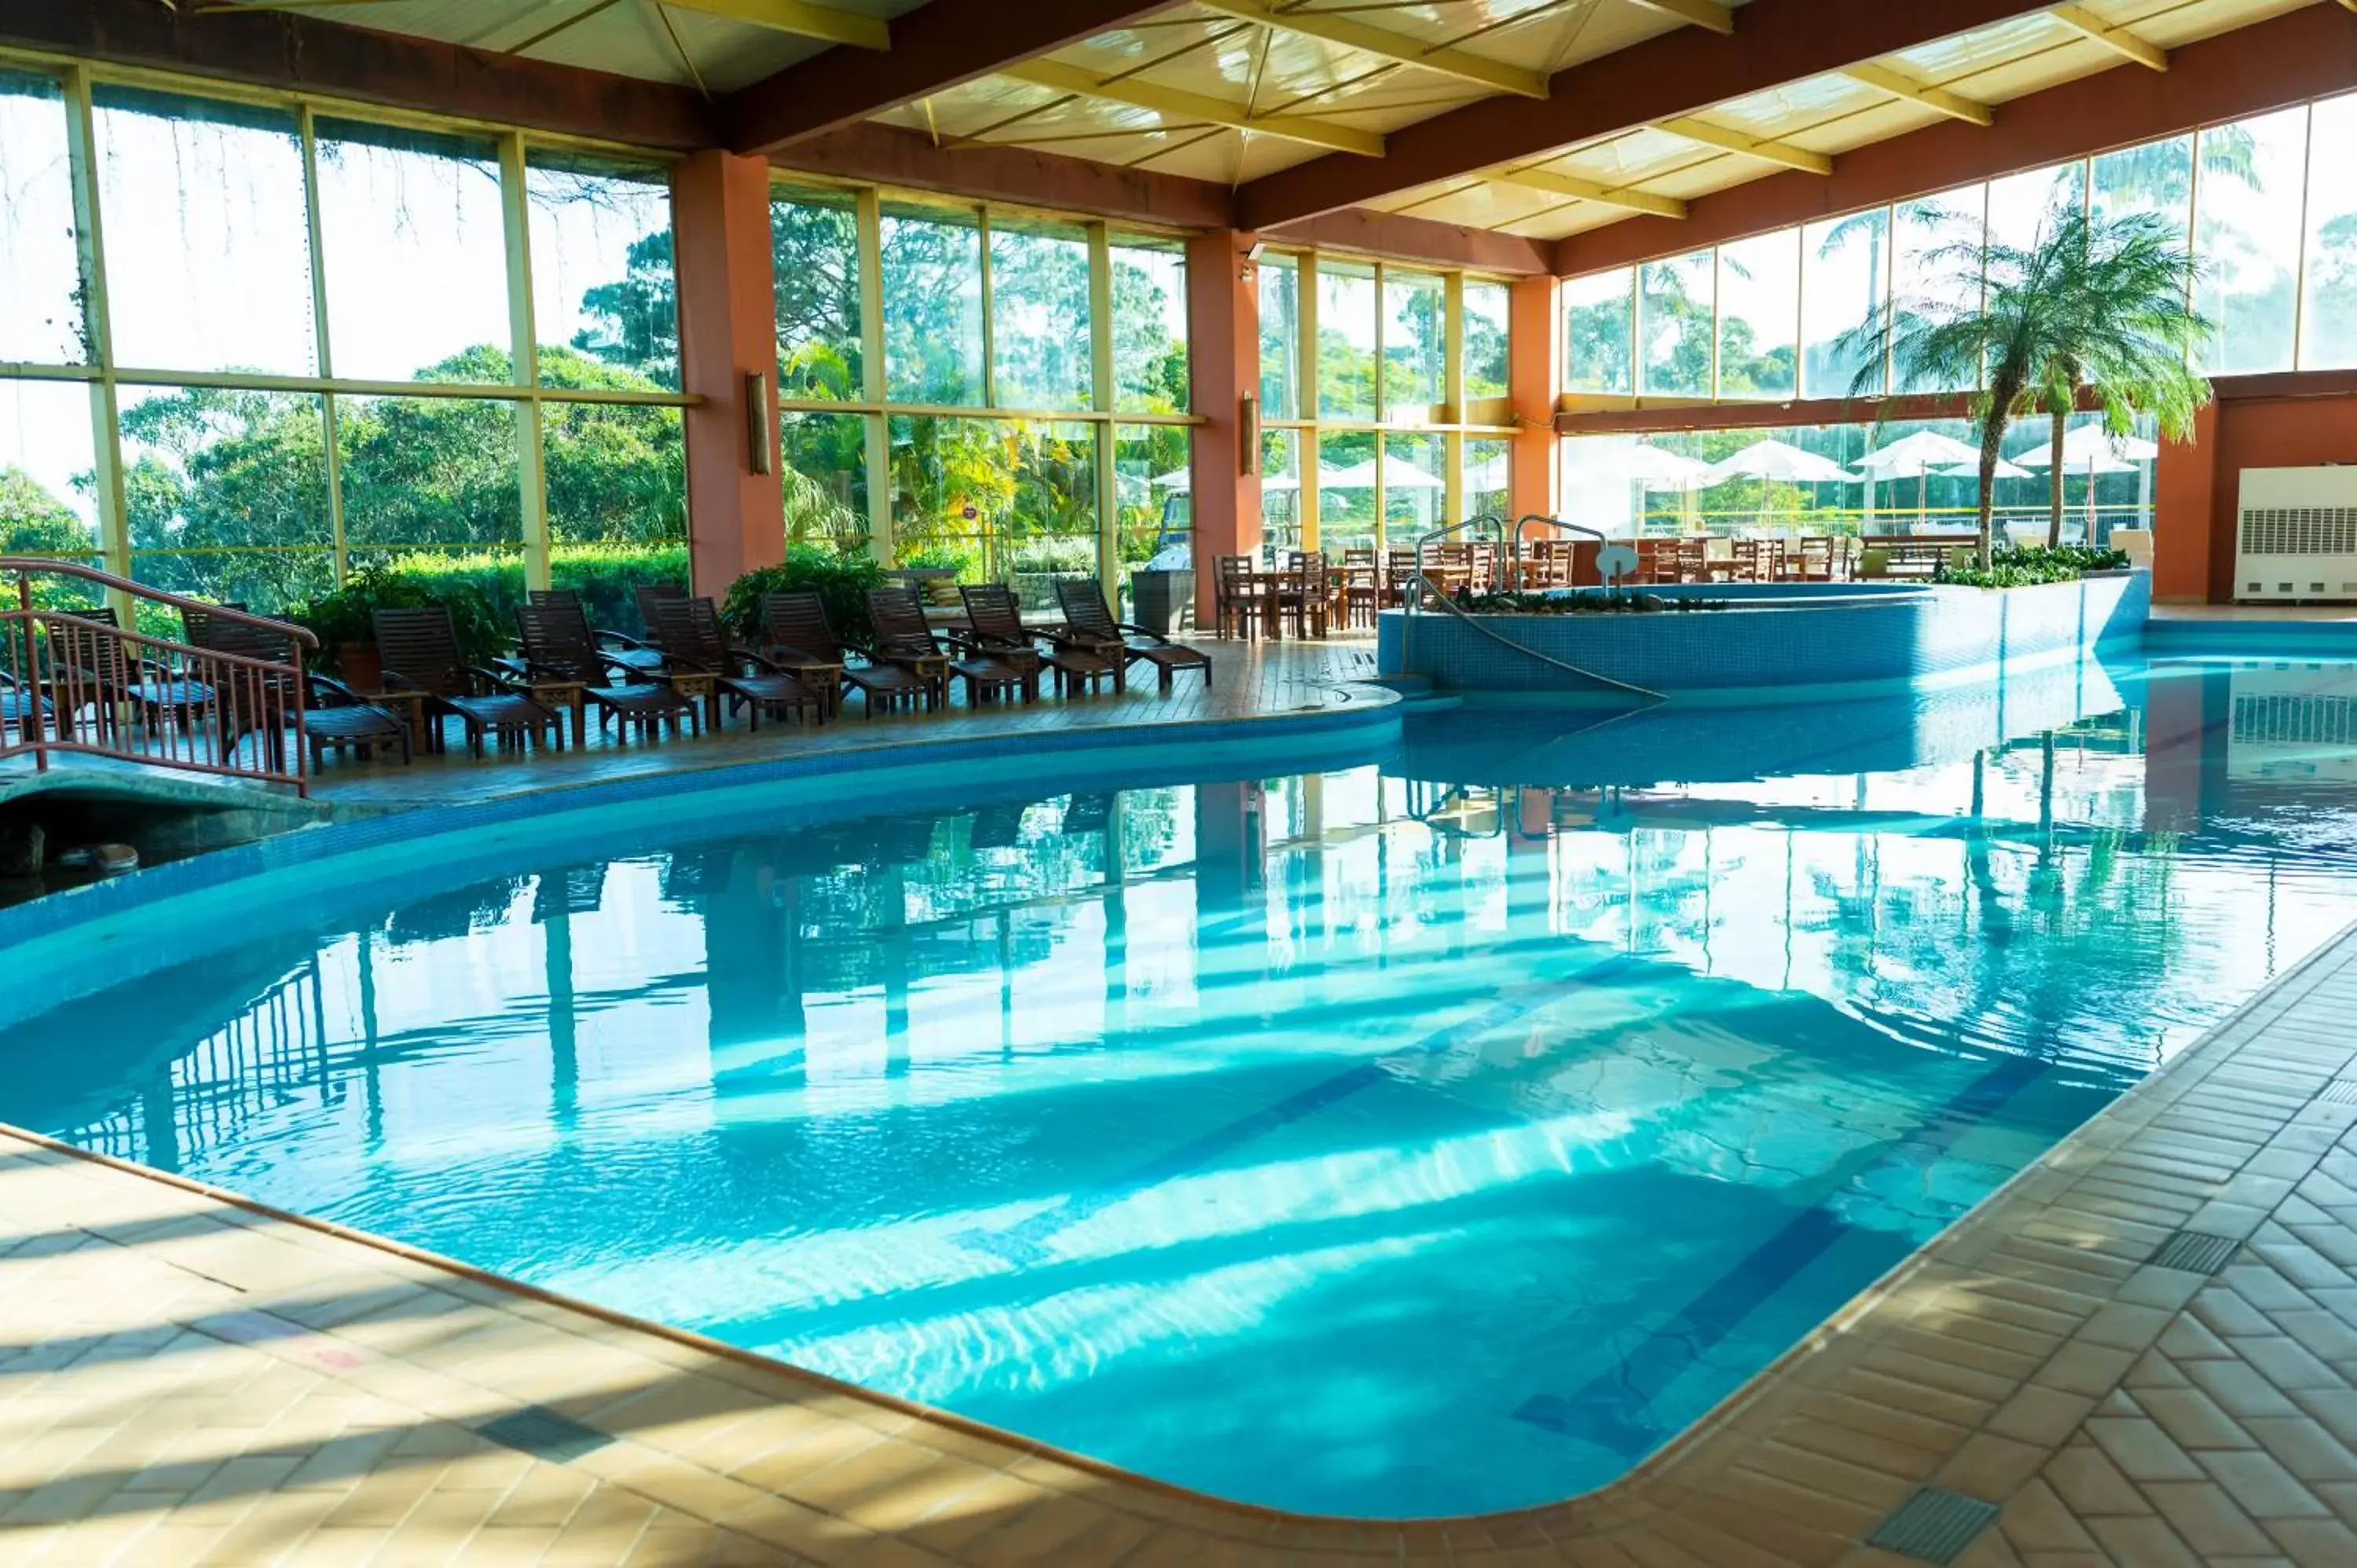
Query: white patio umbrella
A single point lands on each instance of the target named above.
(2091, 450)
(1184, 479)
(1779, 460)
(2088, 449)
(1659, 469)
(2004, 470)
(1918, 455)
(1397, 475)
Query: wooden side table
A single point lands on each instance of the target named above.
(565, 694)
(410, 707)
(699, 686)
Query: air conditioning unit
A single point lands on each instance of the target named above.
(2296, 536)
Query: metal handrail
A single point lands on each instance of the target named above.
(1423, 585)
(149, 699)
(1528, 518)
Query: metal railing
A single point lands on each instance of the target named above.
(1422, 589)
(74, 680)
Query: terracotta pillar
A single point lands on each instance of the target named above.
(1222, 372)
(728, 331)
(2184, 508)
(1535, 379)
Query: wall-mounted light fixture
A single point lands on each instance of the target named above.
(756, 421)
(1247, 435)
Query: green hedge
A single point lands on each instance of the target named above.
(484, 589)
(842, 579)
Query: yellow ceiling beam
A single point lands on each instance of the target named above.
(1937, 98)
(1588, 190)
(2086, 24)
(800, 18)
(1176, 103)
(1698, 12)
(1331, 29)
(1719, 136)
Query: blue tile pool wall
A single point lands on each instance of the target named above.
(83, 940)
(1831, 644)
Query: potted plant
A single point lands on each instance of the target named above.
(344, 622)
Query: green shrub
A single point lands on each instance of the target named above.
(483, 589)
(2027, 565)
(840, 579)
(345, 616)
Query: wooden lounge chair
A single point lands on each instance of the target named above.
(620, 647)
(557, 645)
(335, 718)
(22, 708)
(688, 632)
(798, 636)
(903, 638)
(1086, 614)
(92, 669)
(1078, 662)
(420, 650)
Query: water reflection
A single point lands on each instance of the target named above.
(1576, 1069)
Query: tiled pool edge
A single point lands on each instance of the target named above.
(1714, 1471)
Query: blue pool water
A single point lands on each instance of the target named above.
(1430, 1137)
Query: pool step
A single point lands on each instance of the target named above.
(1417, 694)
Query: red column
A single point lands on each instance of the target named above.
(727, 330)
(2184, 504)
(1535, 379)
(1222, 372)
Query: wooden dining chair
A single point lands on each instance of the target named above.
(1236, 600)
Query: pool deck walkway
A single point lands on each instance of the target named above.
(2143, 1352)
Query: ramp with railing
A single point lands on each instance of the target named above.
(79, 678)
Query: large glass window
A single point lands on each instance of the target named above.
(1844, 283)
(2155, 178)
(2248, 237)
(209, 251)
(814, 248)
(1280, 337)
(602, 281)
(1760, 315)
(227, 493)
(1675, 318)
(1937, 268)
(2329, 311)
(414, 248)
(1154, 491)
(46, 504)
(1487, 323)
(1280, 489)
(1346, 492)
(1416, 345)
(932, 307)
(1149, 326)
(1414, 491)
(1599, 324)
(1489, 478)
(421, 474)
(40, 286)
(1039, 316)
(1346, 340)
(825, 478)
(2023, 206)
(230, 489)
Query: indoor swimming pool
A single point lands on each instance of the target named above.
(1427, 1136)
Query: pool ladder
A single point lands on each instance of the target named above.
(1424, 589)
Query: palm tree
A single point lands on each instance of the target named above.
(2093, 305)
